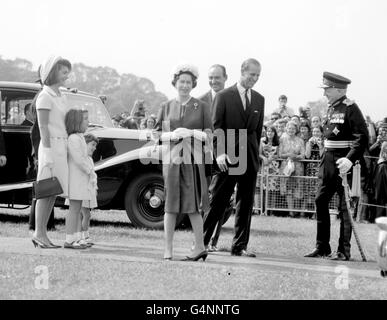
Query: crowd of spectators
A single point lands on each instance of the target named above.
(127, 121)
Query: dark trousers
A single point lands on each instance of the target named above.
(217, 227)
(330, 183)
(222, 187)
(31, 222)
(215, 238)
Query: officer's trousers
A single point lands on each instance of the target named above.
(331, 182)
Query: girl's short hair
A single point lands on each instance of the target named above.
(89, 137)
(74, 120)
(52, 77)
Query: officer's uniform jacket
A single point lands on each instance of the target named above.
(344, 127)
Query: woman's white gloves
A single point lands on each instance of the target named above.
(94, 180)
(47, 157)
(183, 133)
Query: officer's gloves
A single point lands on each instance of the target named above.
(344, 164)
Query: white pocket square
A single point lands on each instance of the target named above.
(256, 111)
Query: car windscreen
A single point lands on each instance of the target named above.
(98, 115)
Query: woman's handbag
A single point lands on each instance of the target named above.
(47, 187)
(289, 167)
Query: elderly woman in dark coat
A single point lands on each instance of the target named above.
(182, 122)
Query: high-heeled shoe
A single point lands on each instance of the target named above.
(54, 246)
(40, 244)
(201, 255)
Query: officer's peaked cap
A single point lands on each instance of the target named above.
(332, 80)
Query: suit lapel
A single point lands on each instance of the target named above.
(210, 97)
(239, 103)
(254, 108)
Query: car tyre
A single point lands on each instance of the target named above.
(144, 200)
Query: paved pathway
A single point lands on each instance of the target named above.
(134, 253)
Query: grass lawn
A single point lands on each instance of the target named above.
(274, 238)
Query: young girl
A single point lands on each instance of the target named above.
(268, 152)
(80, 172)
(313, 151)
(91, 142)
(305, 131)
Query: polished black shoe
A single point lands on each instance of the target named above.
(243, 253)
(317, 253)
(338, 256)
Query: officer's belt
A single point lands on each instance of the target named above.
(330, 144)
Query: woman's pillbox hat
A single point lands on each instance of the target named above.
(183, 68)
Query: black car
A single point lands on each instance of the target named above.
(127, 162)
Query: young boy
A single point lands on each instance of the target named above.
(91, 142)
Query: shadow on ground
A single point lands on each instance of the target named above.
(265, 233)
(59, 221)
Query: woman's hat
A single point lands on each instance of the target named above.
(47, 65)
(182, 68)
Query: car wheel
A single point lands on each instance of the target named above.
(144, 200)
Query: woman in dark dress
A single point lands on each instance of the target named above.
(182, 122)
(314, 150)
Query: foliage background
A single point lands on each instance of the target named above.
(122, 90)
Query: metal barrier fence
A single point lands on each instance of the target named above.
(288, 194)
(276, 192)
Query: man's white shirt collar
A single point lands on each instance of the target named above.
(242, 90)
(213, 94)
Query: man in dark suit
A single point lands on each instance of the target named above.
(29, 116)
(217, 78)
(238, 119)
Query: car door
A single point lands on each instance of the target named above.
(16, 131)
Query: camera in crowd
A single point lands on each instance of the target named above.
(314, 141)
(304, 112)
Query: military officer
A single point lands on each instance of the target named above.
(346, 135)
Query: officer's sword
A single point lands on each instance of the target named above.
(350, 214)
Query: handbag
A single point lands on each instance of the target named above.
(289, 168)
(47, 187)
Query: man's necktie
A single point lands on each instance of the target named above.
(247, 101)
